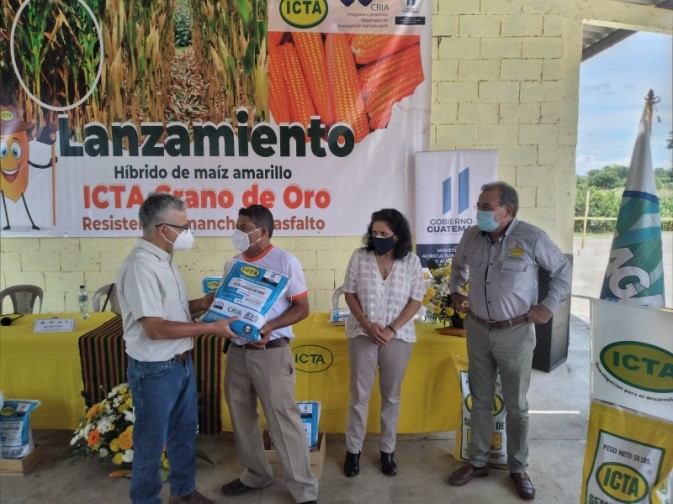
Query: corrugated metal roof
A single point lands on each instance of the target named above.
(599, 38)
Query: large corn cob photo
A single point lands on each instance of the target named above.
(356, 79)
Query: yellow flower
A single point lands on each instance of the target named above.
(126, 438)
(438, 303)
(93, 411)
(117, 459)
(114, 444)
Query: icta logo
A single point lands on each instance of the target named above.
(463, 191)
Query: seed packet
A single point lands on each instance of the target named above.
(247, 292)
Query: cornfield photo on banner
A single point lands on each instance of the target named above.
(58, 53)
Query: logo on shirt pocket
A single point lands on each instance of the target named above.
(516, 254)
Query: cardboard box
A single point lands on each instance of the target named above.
(22, 466)
(316, 455)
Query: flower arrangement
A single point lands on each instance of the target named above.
(106, 431)
(437, 301)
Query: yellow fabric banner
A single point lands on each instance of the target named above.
(498, 455)
(628, 459)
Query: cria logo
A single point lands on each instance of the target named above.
(312, 358)
(498, 404)
(250, 271)
(621, 482)
(640, 365)
(303, 13)
(463, 192)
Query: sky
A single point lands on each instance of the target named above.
(613, 85)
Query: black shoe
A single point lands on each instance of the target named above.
(352, 464)
(235, 487)
(388, 465)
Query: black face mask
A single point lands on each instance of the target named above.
(383, 245)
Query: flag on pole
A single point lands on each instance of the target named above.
(635, 271)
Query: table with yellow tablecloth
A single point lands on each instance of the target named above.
(430, 392)
(46, 366)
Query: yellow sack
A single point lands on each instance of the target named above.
(628, 459)
(498, 455)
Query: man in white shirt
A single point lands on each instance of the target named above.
(158, 332)
(264, 370)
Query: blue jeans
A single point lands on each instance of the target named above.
(165, 406)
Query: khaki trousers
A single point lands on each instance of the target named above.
(270, 376)
(510, 351)
(391, 361)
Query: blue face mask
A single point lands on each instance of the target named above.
(383, 245)
(486, 221)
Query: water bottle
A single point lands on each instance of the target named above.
(83, 299)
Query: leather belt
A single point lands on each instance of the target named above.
(183, 356)
(500, 324)
(274, 343)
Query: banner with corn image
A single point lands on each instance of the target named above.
(301, 106)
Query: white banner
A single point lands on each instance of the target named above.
(320, 171)
(448, 184)
(632, 357)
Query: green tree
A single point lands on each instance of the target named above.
(606, 187)
(608, 177)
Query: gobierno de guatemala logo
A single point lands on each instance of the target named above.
(303, 13)
(462, 190)
(640, 365)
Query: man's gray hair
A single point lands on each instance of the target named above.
(154, 208)
(508, 195)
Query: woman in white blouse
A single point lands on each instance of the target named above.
(383, 289)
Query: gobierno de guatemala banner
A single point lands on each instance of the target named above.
(447, 186)
(313, 109)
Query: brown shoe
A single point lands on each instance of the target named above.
(193, 498)
(524, 487)
(465, 474)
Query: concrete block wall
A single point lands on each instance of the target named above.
(505, 75)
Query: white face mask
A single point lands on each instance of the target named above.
(241, 240)
(184, 241)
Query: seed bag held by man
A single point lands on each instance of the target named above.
(247, 292)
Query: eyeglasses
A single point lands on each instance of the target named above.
(487, 207)
(177, 226)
